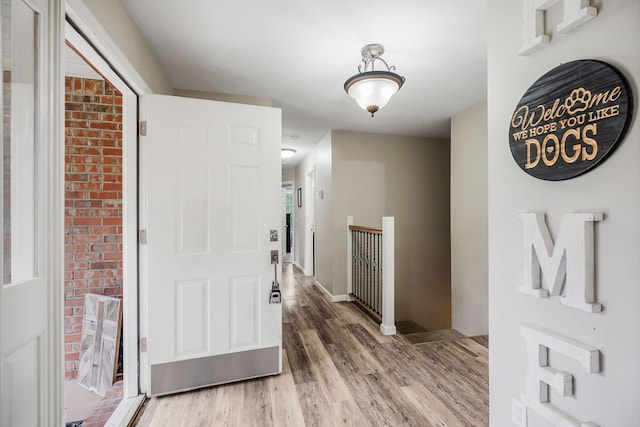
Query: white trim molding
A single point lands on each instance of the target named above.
(88, 25)
(330, 296)
(299, 267)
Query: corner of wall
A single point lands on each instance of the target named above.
(469, 221)
(110, 19)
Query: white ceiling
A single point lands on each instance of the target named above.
(300, 52)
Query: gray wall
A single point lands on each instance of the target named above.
(609, 398)
(469, 244)
(370, 176)
(289, 174)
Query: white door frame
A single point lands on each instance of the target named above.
(310, 220)
(129, 199)
(286, 185)
(104, 54)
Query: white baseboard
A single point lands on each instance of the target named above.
(299, 267)
(387, 330)
(332, 298)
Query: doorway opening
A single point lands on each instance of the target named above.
(100, 311)
(310, 221)
(288, 220)
(93, 234)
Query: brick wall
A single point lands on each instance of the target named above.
(93, 202)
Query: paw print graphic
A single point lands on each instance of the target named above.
(578, 100)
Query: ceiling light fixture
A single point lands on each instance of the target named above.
(287, 153)
(373, 89)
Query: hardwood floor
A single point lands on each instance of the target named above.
(338, 369)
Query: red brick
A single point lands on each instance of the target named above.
(83, 150)
(88, 238)
(103, 125)
(88, 274)
(86, 133)
(103, 195)
(113, 291)
(94, 290)
(89, 256)
(103, 229)
(113, 152)
(103, 248)
(76, 123)
(85, 115)
(112, 187)
(111, 169)
(87, 204)
(112, 238)
(87, 221)
(76, 230)
(103, 265)
(110, 117)
(112, 221)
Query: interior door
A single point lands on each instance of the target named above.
(212, 196)
(32, 205)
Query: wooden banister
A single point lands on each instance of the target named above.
(365, 229)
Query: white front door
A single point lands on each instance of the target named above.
(211, 177)
(32, 207)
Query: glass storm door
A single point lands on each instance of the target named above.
(32, 203)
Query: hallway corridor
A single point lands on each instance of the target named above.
(338, 369)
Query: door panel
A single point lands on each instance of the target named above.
(30, 292)
(212, 196)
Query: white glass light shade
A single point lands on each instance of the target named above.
(287, 153)
(372, 90)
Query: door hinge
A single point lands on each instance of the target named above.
(143, 237)
(143, 128)
(143, 345)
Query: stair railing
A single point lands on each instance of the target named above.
(370, 270)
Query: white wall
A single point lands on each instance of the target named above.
(469, 247)
(224, 97)
(318, 160)
(324, 236)
(609, 398)
(115, 20)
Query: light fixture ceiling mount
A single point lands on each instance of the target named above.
(372, 89)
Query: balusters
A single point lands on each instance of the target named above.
(366, 271)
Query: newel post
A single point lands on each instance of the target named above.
(388, 327)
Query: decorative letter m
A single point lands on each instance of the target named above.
(572, 257)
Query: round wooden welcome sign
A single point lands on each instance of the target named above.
(570, 120)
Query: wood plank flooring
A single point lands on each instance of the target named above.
(338, 369)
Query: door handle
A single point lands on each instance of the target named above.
(275, 296)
